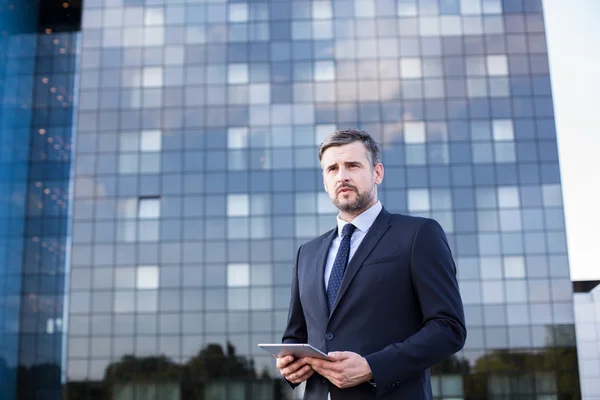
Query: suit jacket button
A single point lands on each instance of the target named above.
(329, 336)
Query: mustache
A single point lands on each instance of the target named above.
(346, 186)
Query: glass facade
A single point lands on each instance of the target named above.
(587, 320)
(196, 178)
(17, 65)
(37, 70)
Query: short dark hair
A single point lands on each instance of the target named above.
(346, 136)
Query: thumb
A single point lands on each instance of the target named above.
(338, 355)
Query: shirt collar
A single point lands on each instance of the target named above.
(362, 222)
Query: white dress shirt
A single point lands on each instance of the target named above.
(362, 223)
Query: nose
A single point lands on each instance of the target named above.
(343, 175)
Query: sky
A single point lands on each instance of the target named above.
(572, 31)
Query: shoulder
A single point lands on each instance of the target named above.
(412, 223)
(314, 244)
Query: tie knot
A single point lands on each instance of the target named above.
(348, 229)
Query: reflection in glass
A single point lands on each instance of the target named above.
(324, 71)
(414, 132)
(237, 73)
(419, 200)
(238, 275)
(238, 205)
(147, 277)
(238, 12)
(152, 77)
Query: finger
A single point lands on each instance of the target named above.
(282, 362)
(298, 376)
(292, 368)
(315, 362)
(303, 373)
(296, 365)
(339, 355)
(304, 377)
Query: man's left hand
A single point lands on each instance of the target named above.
(346, 369)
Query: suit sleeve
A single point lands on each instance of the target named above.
(295, 331)
(443, 330)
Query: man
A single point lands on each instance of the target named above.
(378, 293)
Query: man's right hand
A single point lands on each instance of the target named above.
(296, 371)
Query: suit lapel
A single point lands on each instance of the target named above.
(379, 227)
(321, 261)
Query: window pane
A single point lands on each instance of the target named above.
(503, 129)
(129, 142)
(324, 71)
(508, 196)
(322, 131)
(514, 267)
(321, 10)
(149, 208)
(237, 138)
(124, 302)
(153, 77)
(364, 8)
(238, 205)
(497, 65)
(147, 277)
(128, 164)
(407, 8)
(125, 278)
(414, 132)
(418, 200)
(151, 140)
(470, 7)
(238, 12)
(410, 68)
(238, 275)
(237, 73)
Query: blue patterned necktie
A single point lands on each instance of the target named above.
(339, 265)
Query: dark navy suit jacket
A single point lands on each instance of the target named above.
(398, 306)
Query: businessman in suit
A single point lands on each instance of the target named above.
(378, 293)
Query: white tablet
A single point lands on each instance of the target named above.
(298, 350)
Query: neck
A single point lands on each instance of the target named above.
(348, 216)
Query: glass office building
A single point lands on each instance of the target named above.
(196, 178)
(38, 53)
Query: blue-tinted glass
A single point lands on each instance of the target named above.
(501, 108)
(506, 174)
(465, 221)
(463, 199)
(460, 153)
(238, 182)
(550, 173)
(462, 175)
(512, 6)
(450, 7)
(439, 176)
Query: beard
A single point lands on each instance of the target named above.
(360, 202)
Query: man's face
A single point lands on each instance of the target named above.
(349, 178)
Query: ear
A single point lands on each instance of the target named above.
(378, 170)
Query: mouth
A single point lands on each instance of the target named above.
(345, 190)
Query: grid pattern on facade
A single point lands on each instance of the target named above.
(47, 216)
(36, 111)
(197, 178)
